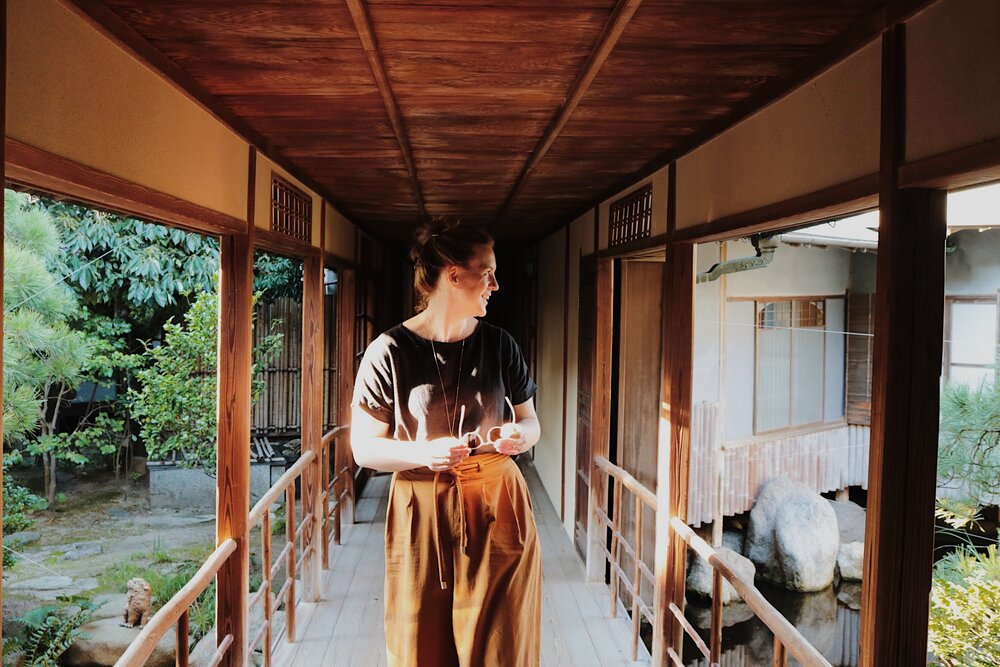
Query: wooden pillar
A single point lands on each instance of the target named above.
(346, 315)
(312, 420)
(233, 480)
(600, 415)
(3, 124)
(906, 372)
(674, 434)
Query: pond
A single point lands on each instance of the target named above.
(829, 620)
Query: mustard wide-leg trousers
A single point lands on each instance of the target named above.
(463, 575)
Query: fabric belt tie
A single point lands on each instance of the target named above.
(463, 525)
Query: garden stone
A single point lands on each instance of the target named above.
(851, 561)
(793, 538)
(699, 579)
(83, 550)
(51, 587)
(118, 513)
(107, 605)
(106, 640)
(760, 536)
(806, 541)
(22, 538)
(850, 521)
(735, 540)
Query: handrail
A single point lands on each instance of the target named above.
(628, 481)
(328, 486)
(783, 630)
(786, 636)
(268, 499)
(177, 607)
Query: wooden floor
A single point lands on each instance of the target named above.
(346, 627)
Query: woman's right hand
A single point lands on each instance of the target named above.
(445, 453)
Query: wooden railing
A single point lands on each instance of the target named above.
(292, 556)
(176, 611)
(787, 639)
(332, 500)
(643, 498)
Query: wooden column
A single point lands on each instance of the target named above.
(312, 420)
(909, 305)
(674, 434)
(600, 429)
(233, 481)
(3, 124)
(346, 315)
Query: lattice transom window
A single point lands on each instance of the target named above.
(291, 210)
(631, 217)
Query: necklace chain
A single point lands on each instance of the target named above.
(458, 385)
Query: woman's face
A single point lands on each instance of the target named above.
(474, 284)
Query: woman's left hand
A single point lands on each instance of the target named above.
(511, 440)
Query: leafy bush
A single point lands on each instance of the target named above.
(52, 629)
(17, 502)
(176, 394)
(964, 627)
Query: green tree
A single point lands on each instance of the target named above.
(175, 397)
(44, 358)
(969, 436)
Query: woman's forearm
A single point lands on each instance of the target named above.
(531, 430)
(388, 454)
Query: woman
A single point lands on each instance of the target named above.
(443, 400)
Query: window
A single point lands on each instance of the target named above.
(793, 369)
(631, 217)
(971, 339)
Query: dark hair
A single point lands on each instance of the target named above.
(438, 244)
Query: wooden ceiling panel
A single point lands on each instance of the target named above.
(476, 93)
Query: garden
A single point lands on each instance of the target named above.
(109, 366)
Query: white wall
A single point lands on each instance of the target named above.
(794, 272)
(973, 269)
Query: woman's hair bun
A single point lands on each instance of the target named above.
(440, 243)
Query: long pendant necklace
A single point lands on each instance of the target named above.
(458, 385)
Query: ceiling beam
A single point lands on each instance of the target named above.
(112, 26)
(862, 32)
(363, 24)
(613, 29)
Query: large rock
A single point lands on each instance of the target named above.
(105, 641)
(732, 614)
(699, 578)
(851, 560)
(793, 538)
(850, 521)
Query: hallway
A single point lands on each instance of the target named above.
(346, 627)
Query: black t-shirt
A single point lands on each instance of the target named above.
(400, 384)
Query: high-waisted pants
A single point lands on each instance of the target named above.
(463, 576)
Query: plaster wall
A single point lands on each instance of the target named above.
(953, 77)
(341, 234)
(552, 294)
(822, 134)
(74, 93)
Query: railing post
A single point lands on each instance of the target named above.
(183, 624)
(312, 420)
(324, 493)
(233, 452)
(780, 655)
(265, 566)
(715, 646)
(636, 578)
(290, 565)
(674, 433)
(616, 530)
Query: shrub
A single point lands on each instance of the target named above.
(964, 627)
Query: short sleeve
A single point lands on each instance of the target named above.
(373, 388)
(520, 385)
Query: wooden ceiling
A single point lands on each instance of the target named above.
(517, 114)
